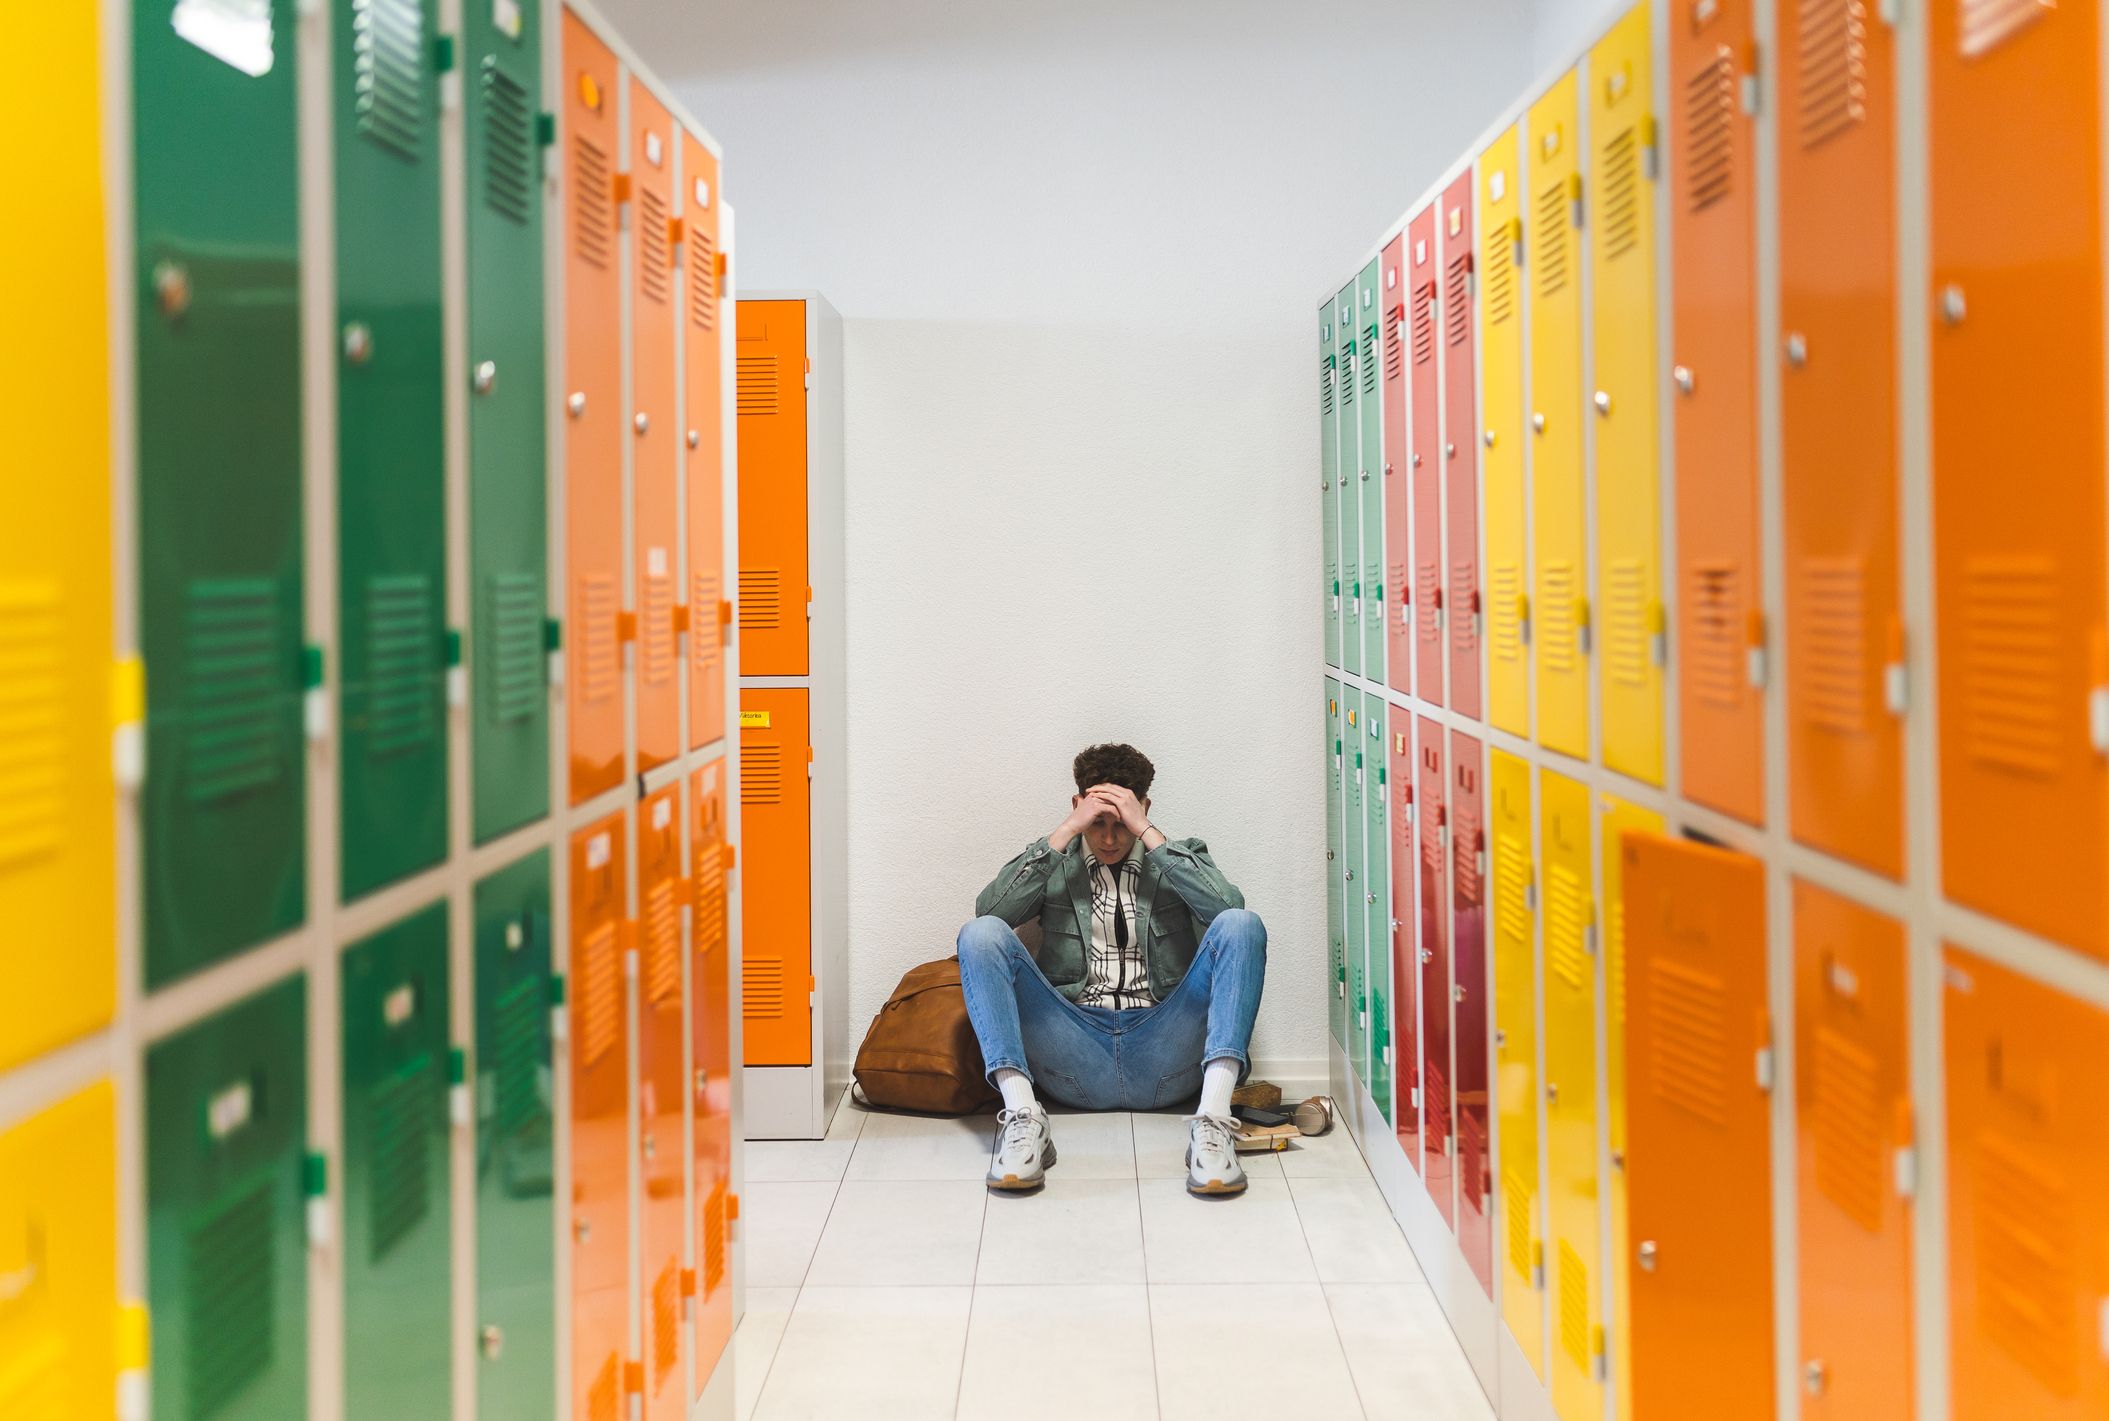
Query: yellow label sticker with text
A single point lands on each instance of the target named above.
(756, 720)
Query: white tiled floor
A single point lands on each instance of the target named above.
(884, 1281)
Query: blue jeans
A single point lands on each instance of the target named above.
(1094, 1058)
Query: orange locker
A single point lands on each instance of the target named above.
(2016, 309)
(1398, 535)
(1424, 268)
(1713, 342)
(593, 411)
(703, 441)
(655, 509)
(775, 560)
(1837, 252)
(1406, 1003)
(1460, 448)
(710, 957)
(2028, 1197)
(776, 822)
(1698, 1152)
(662, 1092)
(1855, 1160)
(600, 1119)
(1437, 1126)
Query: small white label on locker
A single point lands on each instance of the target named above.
(1550, 143)
(1420, 253)
(235, 32)
(505, 17)
(702, 193)
(1391, 278)
(1705, 10)
(653, 152)
(1497, 186)
(229, 1110)
(655, 562)
(1457, 220)
(662, 813)
(598, 849)
(399, 1005)
(515, 936)
(1367, 300)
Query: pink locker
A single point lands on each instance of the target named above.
(1424, 272)
(1471, 1002)
(1460, 447)
(1398, 541)
(1437, 1134)
(1405, 945)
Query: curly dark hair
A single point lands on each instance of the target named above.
(1122, 765)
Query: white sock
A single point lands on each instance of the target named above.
(1218, 1079)
(1017, 1088)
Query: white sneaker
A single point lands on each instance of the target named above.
(1212, 1156)
(1024, 1148)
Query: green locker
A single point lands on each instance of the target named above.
(1354, 928)
(516, 1302)
(1329, 478)
(508, 466)
(1347, 463)
(217, 279)
(397, 1225)
(1376, 897)
(227, 1258)
(393, 644)
(1335, 857)
(1370, 477)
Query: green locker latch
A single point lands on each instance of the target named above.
(559, 1018)
(553, 648)
(457, 673)
(458, 1087)
(315, 704)
(315, 1184)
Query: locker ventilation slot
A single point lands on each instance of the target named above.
(1511, 889)
(1831, 45)
(1516, 1204)
(32, 722)
(762, 989)
(235, 667)
(761, 773)
(654, 253)
(515, 662)
(1710, 131)
(1471, 1161)
(1435, 1101)
(703, 639)
(1688, 1025)
(1506, 582)
(508, 145)
(230, 1277)
(1615, 969)
(758, 385)
(1464, 877)
(389, 66)
(518, 1054)
(662, 943)
(1987, 24)
(1716, 620)
(2010, 664)
(402, 646)
(666, 1325)
(38, 1383)
(604, 1398)
(710, 898)
(1622, 205)
(761, 599)
(1849, 1155)
(702, 281)
(1369, 365)
(1424, 324)
(1566, 927)
(714, 1239)
(1557, 644)
(592, 204)
(657, 658)
(1325, 385)
(601, 651)
(1832, 644)
(1394, 344)
(1574, 1306)
(1501, 278)
(1550, 227)
(1457, 300)
(1427, 592)
(1464, 627)
(2027, 1289)
(1347, 374)
(600, 993)
(400, 1190)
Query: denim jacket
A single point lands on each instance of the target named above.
(1180, 892)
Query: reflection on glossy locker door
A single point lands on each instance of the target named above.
(1405, 952)
(1713, 245)
(1347, 337)
(775, 555)
(1617, 818)
(662, 1090)
(58, 880)
(1516, 1092)
(1854, 1153)
(655, 462)
(703, 439)
(600, 1121)
(1424, 263)
(1398, 487)
(1356, 779)
(1838, 399)
(58, 1248)
(1438, 1128)
(1335, 861)
(2028, 1173)
(1507, 595)
(1559, 599)
(1376, 901)
(593, 413)
(2018, 558)
(1460, 447)
(776, 823)
(1330, 588)
(1369, 401)
(1471, 1007)
(1623, 159)
(1573, 1274)
(1698, 1159)
(710, 996)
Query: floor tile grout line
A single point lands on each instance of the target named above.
(1149, 1303)
(966, 1338)
(1325, 1295)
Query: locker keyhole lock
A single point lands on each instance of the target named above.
(1365, 476)
(358, 343)
(1603, 402)
(1501, 1038)
(1537, 423)
(1449, 451)
(576, 403)
(1683, 376)
(1490, 438)
(1416, 461)
(1815, 1377)
(642, 422)
(172, 288)
(702, 1081)
(491, 1338)
(694, 439)
(1427, 954)
(1646, 1254)
(1953, 305)
(1552, 1092)
(486, 376)
(582, 1231)
(651, 1147)
(1797, 350)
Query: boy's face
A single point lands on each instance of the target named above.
(1107, 838)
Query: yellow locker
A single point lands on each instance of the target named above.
(1501, 396)
(1522, 1243)
(1573, 1273)
(1622, 172)
(58, 1260)
(1559, 597)
(57, 802)
(1618, 817)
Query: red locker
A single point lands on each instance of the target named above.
(1471, 1003)
(2028, 1197)
(710, 957)
(1438, 1136)
(600, 1119)
(1398, 537)
(655, 464)
(1405, 943)
(1713, 243)
(2016, 310)
(1460, 448)
(703, 442)
(661, 1095)
(1424, 272)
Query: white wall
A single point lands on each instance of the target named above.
(1564, 26)
(1080, 250)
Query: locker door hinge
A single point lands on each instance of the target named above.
(1751, 92)
(1767, 1068)
(459, 1114)
(457, 670)
(546, 141)
(134, 1344)
(1582, 630)
(809, 374)
(680, 618)
(444, 49)
(1530, 890)
(1896, 675)
(1589, 931)
(626, 627)
(1523, 616)
(619, 189)
(1658, 635)
(2098, 718)
(1416, 1097)
(729, 855)
(128, 723)
(1756, 655)
(809, 604)
(314, 696)
(1537, 1265)
(559, 1014)
(1574, 199)
(553, 649)
(315, 1184)
(1516, 242)
(1906, 1160)
(1891, 12)
(809, 762)
(1650, 149)
(1599, 1353)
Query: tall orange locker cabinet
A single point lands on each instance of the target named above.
(793, 717)
(711, 862)
(654, 458)
(660, 1164)
(599, 1224)
(2018, 454)
(709, 616)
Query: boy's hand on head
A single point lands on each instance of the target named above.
(1121, 802)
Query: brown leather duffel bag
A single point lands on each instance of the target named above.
(920, 1052)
